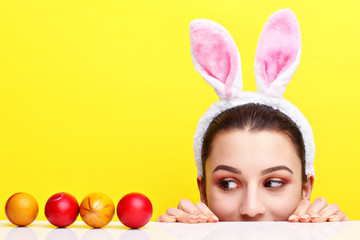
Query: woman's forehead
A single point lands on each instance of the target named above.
(244, 149)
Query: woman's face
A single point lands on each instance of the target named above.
(252, 176)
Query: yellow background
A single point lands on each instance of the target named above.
(103, 96)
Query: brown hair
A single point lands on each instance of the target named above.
(254, 117)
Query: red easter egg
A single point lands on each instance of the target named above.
(62, 209)
(134, 210)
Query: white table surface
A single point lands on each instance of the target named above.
(42, 230)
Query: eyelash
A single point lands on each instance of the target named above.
(276, 182)
(227, 189)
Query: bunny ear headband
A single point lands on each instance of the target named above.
(217, 60)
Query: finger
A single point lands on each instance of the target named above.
(211, 217)
(338, 216)
(316, 207)
(182, 216)
(325, 213)
(166, 218)
(300, 210)
(187, 206)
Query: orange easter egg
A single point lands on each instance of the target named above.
(97, 210)
(21, 209)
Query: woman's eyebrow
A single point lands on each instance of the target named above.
(227, 168)
(277, 168)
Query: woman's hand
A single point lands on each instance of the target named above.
(318, 211)
(187, 212)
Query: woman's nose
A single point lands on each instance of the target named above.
(252, 204)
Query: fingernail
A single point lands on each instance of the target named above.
(333, 218)
(305, 216)
(203, 217)
(215, 218)
(292, 217)
(316, 216)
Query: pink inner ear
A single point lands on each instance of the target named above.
(278, 46)
(215, 51)
(210, 52)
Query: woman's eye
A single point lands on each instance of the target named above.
(273, 184)
(228, 185)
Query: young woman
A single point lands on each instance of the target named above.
(254, 151)
(253, 161)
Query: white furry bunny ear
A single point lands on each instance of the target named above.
(216, 57)
(278, 53)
